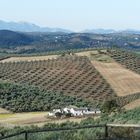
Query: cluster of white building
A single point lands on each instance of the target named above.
(75, 111)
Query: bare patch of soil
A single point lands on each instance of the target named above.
(122, 80)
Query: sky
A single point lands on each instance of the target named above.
(75, 15)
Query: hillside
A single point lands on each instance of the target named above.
(71, 75)
(93, 76)
(86, 79)
(121, 74)
(10, 39)
(40, 42)
(124, 81)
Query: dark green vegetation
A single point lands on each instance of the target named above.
(122, 101)
(13, 39)
(129, 60)
(71, 75)
(131, 116)
(28, 43)
(23, 98)
(117, 103)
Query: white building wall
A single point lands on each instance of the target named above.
(98, 112)
(76, 113)
(51, 114)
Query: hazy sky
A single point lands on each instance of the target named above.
(74, 14)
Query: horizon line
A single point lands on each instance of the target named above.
(74, 30)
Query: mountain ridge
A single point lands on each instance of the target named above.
(28, 27)
(111, 31)
(31, 27)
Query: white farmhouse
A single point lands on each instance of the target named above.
(80, 111)
(75, 111)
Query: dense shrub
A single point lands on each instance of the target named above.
(23, 98)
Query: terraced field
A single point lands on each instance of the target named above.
(71, 75)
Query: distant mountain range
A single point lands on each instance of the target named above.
(99, 31)
(110, 31)
(28, 27)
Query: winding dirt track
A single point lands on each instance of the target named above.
(122, 80)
